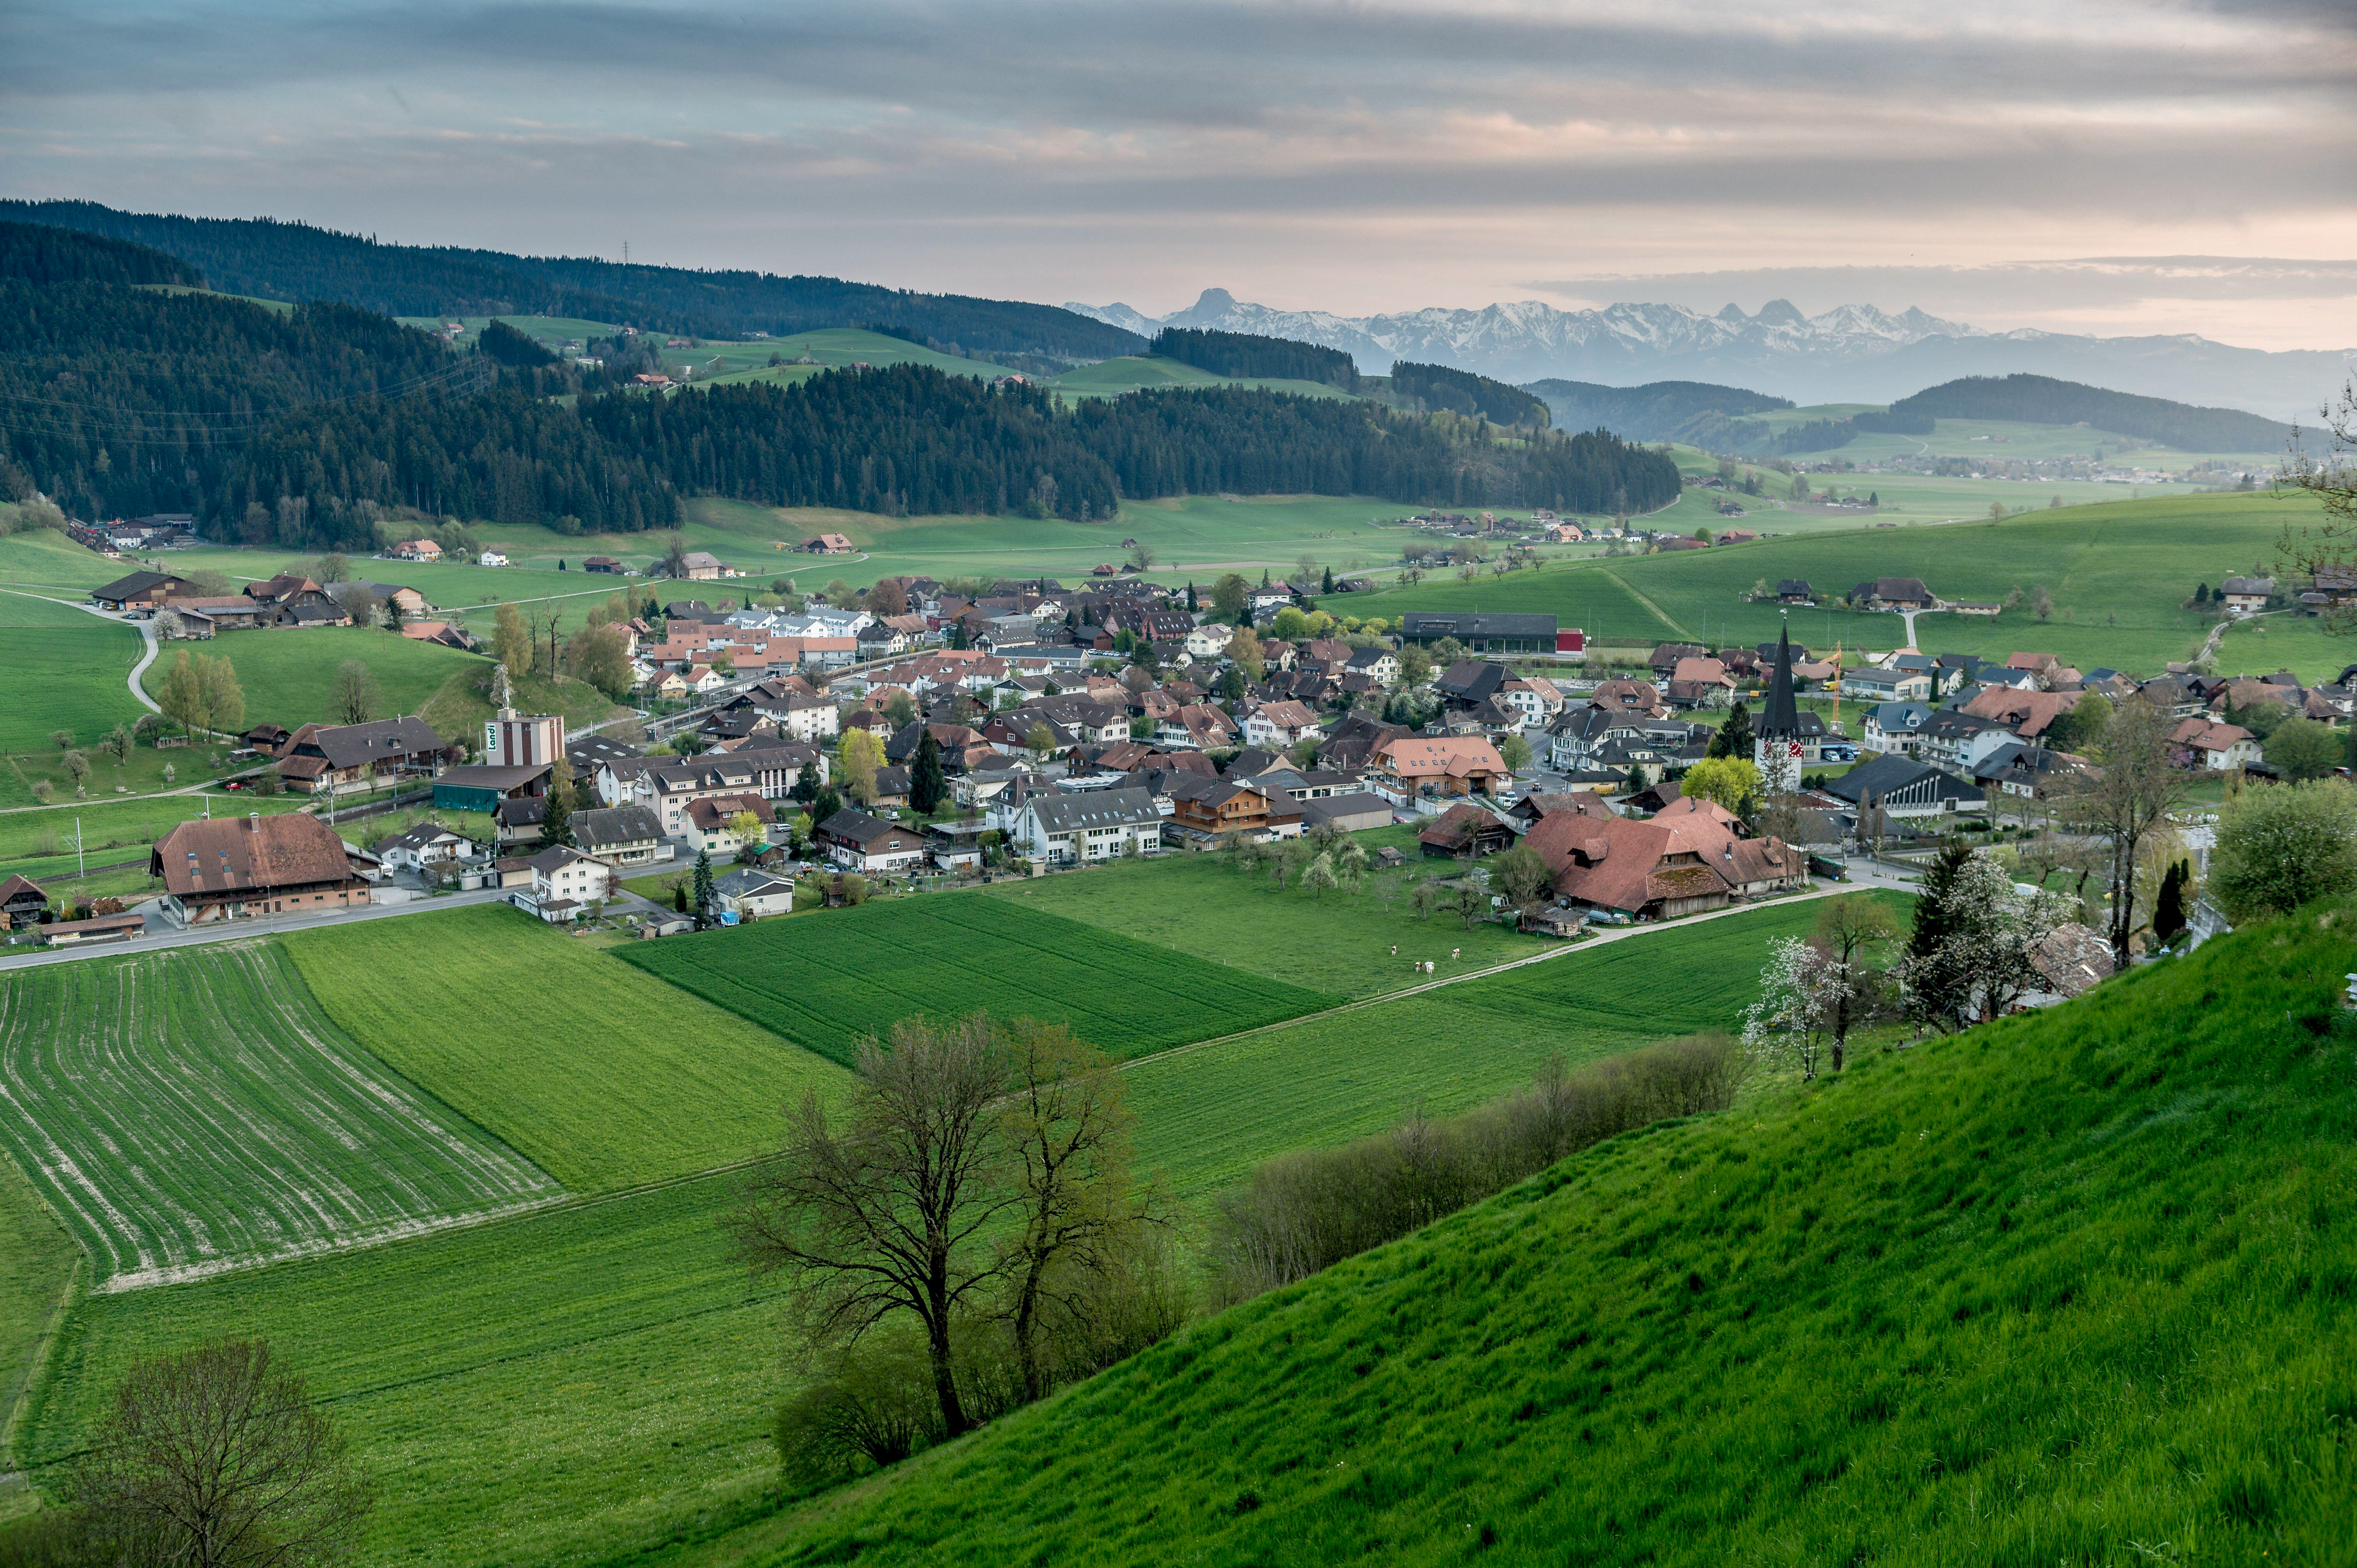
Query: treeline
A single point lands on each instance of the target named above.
(39, 254)
(1462, 391)
(275, 259)
(906, 438)
(2042, 399)
(1827, 435)
(120, 401)
(1246, 355)
(1304, 1212)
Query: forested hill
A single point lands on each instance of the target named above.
(37, 254)
(904, 438)
(1462, 391)
(2041, 399)
(1695, 411)
(275, 259)
(1248, 357)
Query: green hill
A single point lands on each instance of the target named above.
(2069, 1288)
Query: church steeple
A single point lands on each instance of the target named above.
(1777, 746)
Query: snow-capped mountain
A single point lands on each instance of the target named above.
(1850, 354)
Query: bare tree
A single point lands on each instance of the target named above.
(1848, 929)
(885, 1213)
(357, 696)
(2131, 794)
(1068, 1135)
(215, 1457)
(2326, 551)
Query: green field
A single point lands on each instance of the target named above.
(66, 671)
(38, 842)
(1336, 943)
(568, 1386)
(827, 983)
(585, 1383)
(44, 558)
(2117, 573)
(289, 675)
(38, 1260)
(186, 1112)
(1148, 373)
(604, 1075)
(1205, 1116)
(2070, 1288)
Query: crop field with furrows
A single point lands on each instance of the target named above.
(190, 1112)
(826, 982)
(599, 1071)
(1205, 1116)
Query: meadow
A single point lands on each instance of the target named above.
(2118, 573)
(38, 1266)
(591, 1382)
(66, 669)
(1340, 943)
(185, 1111)
(599, 1072)
(38, 842)
(43, 558)
(2068, 1288)
(827, 983)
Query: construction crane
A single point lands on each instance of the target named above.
(1837, 674)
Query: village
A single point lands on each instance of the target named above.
(911, 739)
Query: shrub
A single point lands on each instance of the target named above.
(2279, 848)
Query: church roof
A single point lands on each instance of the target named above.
(1782, 715)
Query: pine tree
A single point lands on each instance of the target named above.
(707, 913)
(1933, 996)
(1193, 607)
(957, 633)
(926, 785)
(1735, 737)
(556, 825)
(1328, 586)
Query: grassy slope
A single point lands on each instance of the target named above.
(2132, 560)
(579, 1385)
(1143, 372)
(1337, 942)
(2064, 1289)
(289, 675)
(827, 983)
(44, 558)
(604, 1075)
(194, 1108)
(66, 671)
(38, 844)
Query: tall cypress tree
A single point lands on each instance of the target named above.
(2169, 904)
(926, 783)
(1193, 607)
(557, 824)
(1934, 996)
(706, 913)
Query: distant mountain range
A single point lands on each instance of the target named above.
(1853, 353)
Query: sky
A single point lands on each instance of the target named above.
(2112, 167)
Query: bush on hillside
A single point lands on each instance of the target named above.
(2279, 848)
(1303, 1212)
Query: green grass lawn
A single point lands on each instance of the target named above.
(2036, 1294)
(38, 1259)
(44, 558)
(1338, 942)
(602, 1073)
(588, 1383)
(188, 1110)
(2119, 571)
(289, 674)
(827, 982)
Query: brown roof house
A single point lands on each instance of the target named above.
(857, 842)
(1466, 833)
(340, 756)
(233, 869)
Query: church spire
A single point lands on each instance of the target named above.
(1782, 716)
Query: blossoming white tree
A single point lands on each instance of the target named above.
(1801, 989)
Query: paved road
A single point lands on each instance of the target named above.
(160, 935)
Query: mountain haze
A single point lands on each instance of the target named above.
(1853, 353)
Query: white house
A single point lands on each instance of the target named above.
(490, 558)
(1210, 640)
(749, 893)
(564, 883)
(425, 846)
(1276, 725)
(1073, 829)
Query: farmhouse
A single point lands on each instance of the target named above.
(1204, 810)
(232, 868)
(2246, 596)
(337, 756)
(1456, 764)
(1892, 594)
(603, 563)
(21, 903)
(857, 842)
(1466, 833)
(829, 544)
(418, 550)
(1661, 868)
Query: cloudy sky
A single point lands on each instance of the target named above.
(2106, 166)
